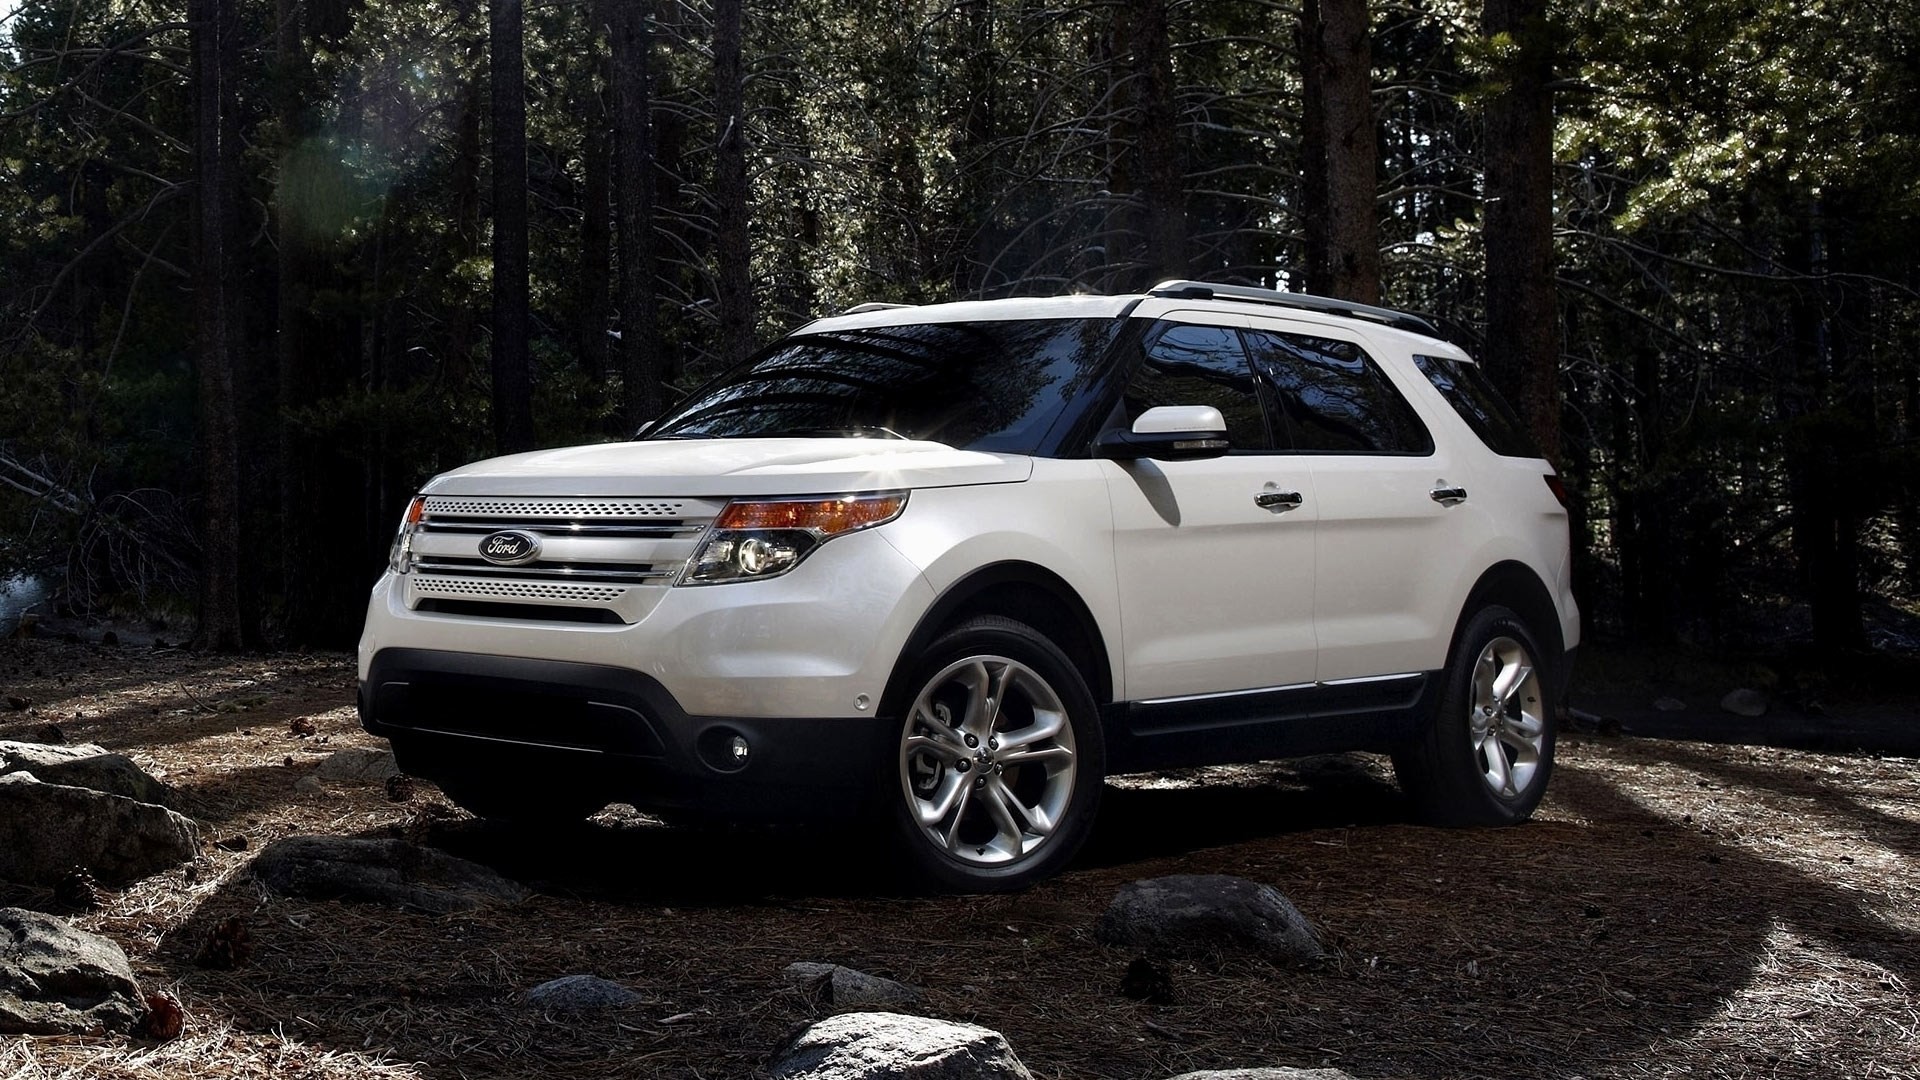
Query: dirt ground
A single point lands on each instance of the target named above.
(1676, 908)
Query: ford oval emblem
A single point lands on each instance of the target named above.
(510, 548)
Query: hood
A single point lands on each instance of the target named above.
(732, 467)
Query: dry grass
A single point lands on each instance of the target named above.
(1676, 909)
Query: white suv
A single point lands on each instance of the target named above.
(953, 565)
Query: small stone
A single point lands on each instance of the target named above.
(85, 766)
(45, 829)
(358, 765)
(1208, 916)
(1669, 704)
(845, 987)
(1745, 702)
(59, 980)
(895, 1046)
(575, 993)
(1273, 1073)
(18, 704)
(382, 871)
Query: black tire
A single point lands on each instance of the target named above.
(1448, 773)
(1047, 789)
(518, 806)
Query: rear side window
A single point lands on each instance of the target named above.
(1201, 365)
(1467, 388)
(1334, 398)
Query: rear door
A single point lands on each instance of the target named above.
(1392, 541)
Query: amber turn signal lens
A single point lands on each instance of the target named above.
(827, 517)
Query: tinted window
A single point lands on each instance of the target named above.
(1467, 388)
(1201, 365)
(1335, 400)
(997, 386)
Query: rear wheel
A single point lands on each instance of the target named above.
(1000, 760)
(1487, 753)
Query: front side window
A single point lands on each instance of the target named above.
(1335, 400)
(1201, 365)
(996, 386)
(1466, 387)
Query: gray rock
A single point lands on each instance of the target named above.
(1744, 702)
(358, 765)
(86, 766)
(893, 1046)
(1669, 704)
(1281, 1072)
(1208, 915)
(382, 872)
(846, 987)
(1272, 1073)
(48, 829)
(56, 980)
(574, 993)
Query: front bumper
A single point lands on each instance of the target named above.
(518, 724)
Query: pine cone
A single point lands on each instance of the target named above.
(165, 1018)
(304, 727)
(399, 787)
(227, 946)
(76, 890)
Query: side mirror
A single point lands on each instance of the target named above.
(1168, 433)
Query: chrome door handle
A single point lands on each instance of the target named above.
(1448, 496)
(1278, 500)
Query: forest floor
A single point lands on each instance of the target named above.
(1676, 908)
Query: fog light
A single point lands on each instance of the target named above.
(737, 746)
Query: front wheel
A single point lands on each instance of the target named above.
(1488, 751)
(1000, 762)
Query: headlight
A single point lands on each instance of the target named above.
(764, 538)
(400, 556)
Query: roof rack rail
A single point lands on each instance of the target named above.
(872, 305)
(1207, 290)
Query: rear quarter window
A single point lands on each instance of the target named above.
(1466, 387)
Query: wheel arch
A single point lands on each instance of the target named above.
(1515, 585)
(1028, 593)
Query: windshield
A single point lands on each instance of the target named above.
(995, 386)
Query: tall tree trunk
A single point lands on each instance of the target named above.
(1317, 273)
(215, 303)
(1156, 138)
(1353, 224)
(631, 41)
(1522, 351)
(512, 379)
(733, 247)
(596, 238)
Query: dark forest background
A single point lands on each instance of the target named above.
(266, 265)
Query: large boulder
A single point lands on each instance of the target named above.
(56, 980)
(48, 829)
(85, 766)
(1208, 916)
(894, 1046)
(383, 872)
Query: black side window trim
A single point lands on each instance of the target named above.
(1380, 377)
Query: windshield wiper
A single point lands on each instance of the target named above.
(847, 431)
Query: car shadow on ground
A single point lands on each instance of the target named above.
(1614, 931)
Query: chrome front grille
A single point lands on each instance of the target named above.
(612, 554)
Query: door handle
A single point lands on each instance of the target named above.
(1448, 496)
(1278, 500)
